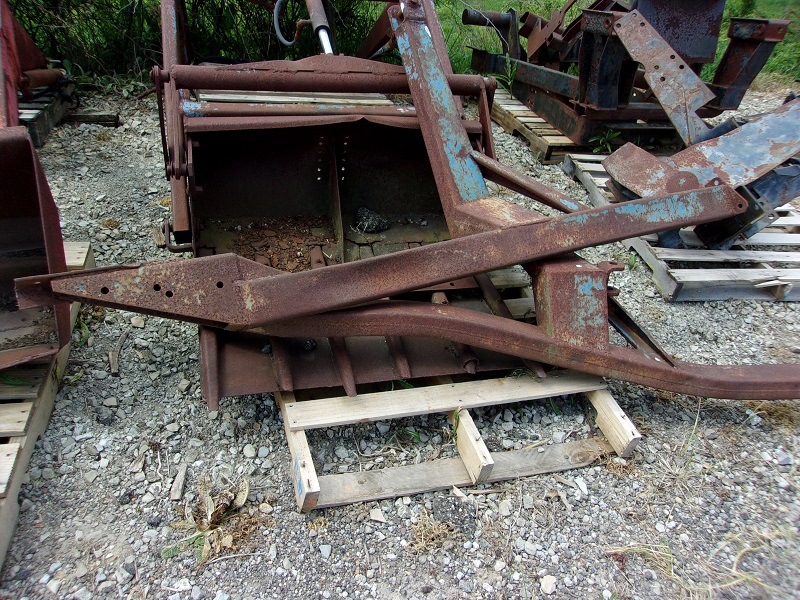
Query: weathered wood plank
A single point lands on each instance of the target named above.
(8, 463)
(620, 432)
(11, 387)
(377, 406)
(304, 475)
(471, 447)
(346, 488)
(725, 256)
(14, 418)
(766, 238)
(723, 276)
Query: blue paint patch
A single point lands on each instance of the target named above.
(569, 204)
(580, 219)
(466, 173)
(586, 285)
(191, 109)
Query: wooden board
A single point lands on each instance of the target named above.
(345, 410)
(8, 462)
(40, 412)
(10, 389)
(42, 114)
(346, 488)
(515, 118)
(304, 475)
(14, 418)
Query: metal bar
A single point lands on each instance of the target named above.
(749, 382)
(233, 292)
(321, 74)
(457, 176)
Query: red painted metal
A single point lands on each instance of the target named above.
(30, 244)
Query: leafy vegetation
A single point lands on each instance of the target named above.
(98, 40)
(603, 143)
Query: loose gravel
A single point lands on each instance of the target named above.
(708, 506)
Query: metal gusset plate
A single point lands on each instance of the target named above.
(737, 158)
(679, 90)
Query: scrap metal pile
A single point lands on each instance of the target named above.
(637, 63)
(311, 188)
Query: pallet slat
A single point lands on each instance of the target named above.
(14, 418)
(8, 462)
(313, 414)
(702, 283)
(725, 256)
(517, 119)
(346, 488)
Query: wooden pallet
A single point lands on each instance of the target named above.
(25, 410)
(517, 119)
(474, 465)
(42, 114)
(685, 275)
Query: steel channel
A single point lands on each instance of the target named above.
(749, 382)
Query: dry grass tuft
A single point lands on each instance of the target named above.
(110, 223)
(718, 575)
(317, 524)
(219, 521)
(620, 469)
(166, 201)
(429, 534)
(783, 414)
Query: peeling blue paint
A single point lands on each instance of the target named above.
(586, 285)
(425, 63)
(191, 108)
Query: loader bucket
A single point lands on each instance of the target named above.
(30, 244)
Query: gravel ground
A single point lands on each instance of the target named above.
(707, 507)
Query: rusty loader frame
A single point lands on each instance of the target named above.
(370, 317)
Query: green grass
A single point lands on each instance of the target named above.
(785, 59)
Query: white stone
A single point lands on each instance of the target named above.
(548, 584)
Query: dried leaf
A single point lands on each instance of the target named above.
(241, 493)
(183, 525)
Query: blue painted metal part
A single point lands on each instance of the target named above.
(458, 176)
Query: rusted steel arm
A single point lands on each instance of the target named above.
(344, 74)
(528, 341)
(232, 292)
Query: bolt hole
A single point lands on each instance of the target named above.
(680, 66)
(741, 205)
(663, 79)
(220, 284)
(672, 57)
(618, 25)
(168, 294)
(157, 288)
(641, 24)
(656, 67)
(104, 290)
